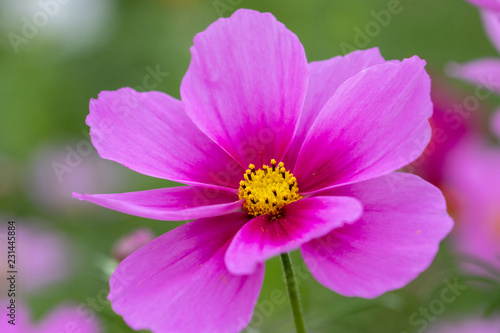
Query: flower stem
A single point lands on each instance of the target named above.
(293, 292)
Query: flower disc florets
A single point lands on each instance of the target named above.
(268, 189)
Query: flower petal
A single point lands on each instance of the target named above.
(169, 204)
(324, 78)
(179, 282)
(375, 123)
(246, 84)
(484, 73)
(395, 240)
(491, 22)
(487, 4)
(303, 220)
(150, 133)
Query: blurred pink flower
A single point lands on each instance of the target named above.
(42, 256)
(65, 318)
(58, 170)
(466, 326)
(131, 242)
(450, 123)
(340, 127)
(473, 171)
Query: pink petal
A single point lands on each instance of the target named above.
(487, 4)
(303, 220)
(484, 73)
(246, 84)
(375, 123)
(179, 282)
(324, 79)
(150, 133)
(68, 318)
(395, 240)
(491, 22)
(169, 204)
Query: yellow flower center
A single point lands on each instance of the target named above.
(269, 189)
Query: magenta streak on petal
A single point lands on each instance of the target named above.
(174, 204)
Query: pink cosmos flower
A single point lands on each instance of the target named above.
(474, 177)
(58, 170)
(131, 242)
(321, 142)
(65, 318)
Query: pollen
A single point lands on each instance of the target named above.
(267, 190)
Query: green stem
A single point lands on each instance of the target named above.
(293, 292)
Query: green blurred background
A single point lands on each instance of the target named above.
(45, 88)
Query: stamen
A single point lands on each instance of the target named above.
(273, 164)
(268, 181)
